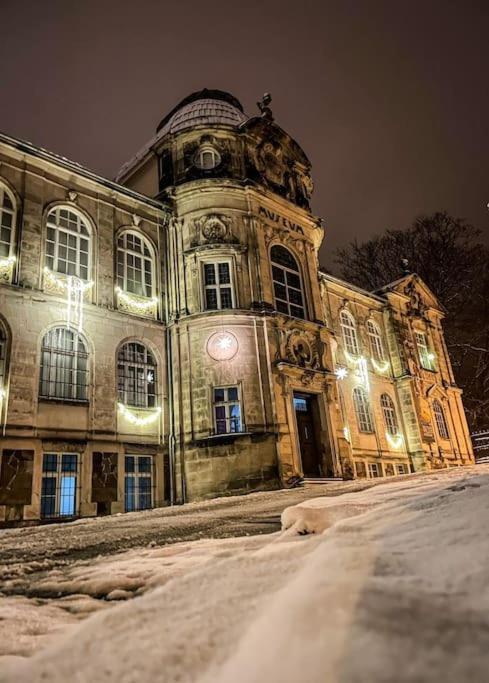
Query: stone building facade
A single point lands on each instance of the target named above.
(169, 336)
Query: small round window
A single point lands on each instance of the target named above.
(207, 158)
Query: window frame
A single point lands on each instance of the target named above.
(124, 381)
(349, 333)
(227, 404)
(204, 149)
(137, 476)
(363, 411)
(288, 288)
(57, 475)
(378, 469)
(78, 391)
(217, 286)
(389, 413)
(441, 420)
(13, 212)
(3, 361)
(127, 251)
(375, 340)
(423, 348)
(51, 261)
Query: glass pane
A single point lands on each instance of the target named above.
(67, 495)
(218, 395)
(233, 393)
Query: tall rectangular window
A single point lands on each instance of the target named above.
(59, 486)
(218, 286)
(374, 470)
(138, 483)
(227, 410)
(426, 357)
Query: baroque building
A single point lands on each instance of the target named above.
(169, 336)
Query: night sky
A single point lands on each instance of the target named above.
(390, 100)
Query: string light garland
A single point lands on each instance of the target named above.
(75, 289)
(380, 367)
(137, 419)
(133, 302)
(394, 440)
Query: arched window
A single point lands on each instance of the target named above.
(68, 243)
(8, 211)
(287, 284)
(441, 423)
(349, 333)
(362, 410)
(390, 416)
(207, 158)
(135, 265)
(136, 376)
(375, 338)
(64, 365)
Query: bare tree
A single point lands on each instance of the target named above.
(447, 254)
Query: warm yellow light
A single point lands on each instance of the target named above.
(380, 367)
(138, 420)
(222, 346)
(136, 302)
(346, 433)
(341, 373)
(394, 440)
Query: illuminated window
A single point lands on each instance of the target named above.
(287, 284)
(425, 356)
(374, 470)
(389, 412)
(8, 211)
(68, 243)
(362, 410)
(441, 423)
(135, 265)
(349, 333)
(136, 375)
(227, 410)
(218, 286)
(59, 486)
(138, 483)
(375, 338)
(64, 366)
(207, 158)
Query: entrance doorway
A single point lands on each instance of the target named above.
(307, 418)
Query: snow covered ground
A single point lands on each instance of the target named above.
(377, 584)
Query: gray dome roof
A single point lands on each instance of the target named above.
(206, 107)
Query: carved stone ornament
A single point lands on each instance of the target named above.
(214, 227)
(72, 195)
(136, 220)
(301, 349)
(415, 305)
(307, 377)
(270, 163)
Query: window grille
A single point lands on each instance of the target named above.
(218, 288)
(64, 366)
(375, 338)
(137, 376)
(68, 243)
(441, 423)
(287, 283)
(426, 358)
(390, 416)
(227, 410)
(139, 482)
(7, 222)
(60, 485)
(135, 265)
(349, 333)
(362, 410)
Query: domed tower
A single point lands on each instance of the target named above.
(249, 366)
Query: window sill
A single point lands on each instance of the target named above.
(64, 401)
(223, 439)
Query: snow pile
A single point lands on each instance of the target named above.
(389, 583)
